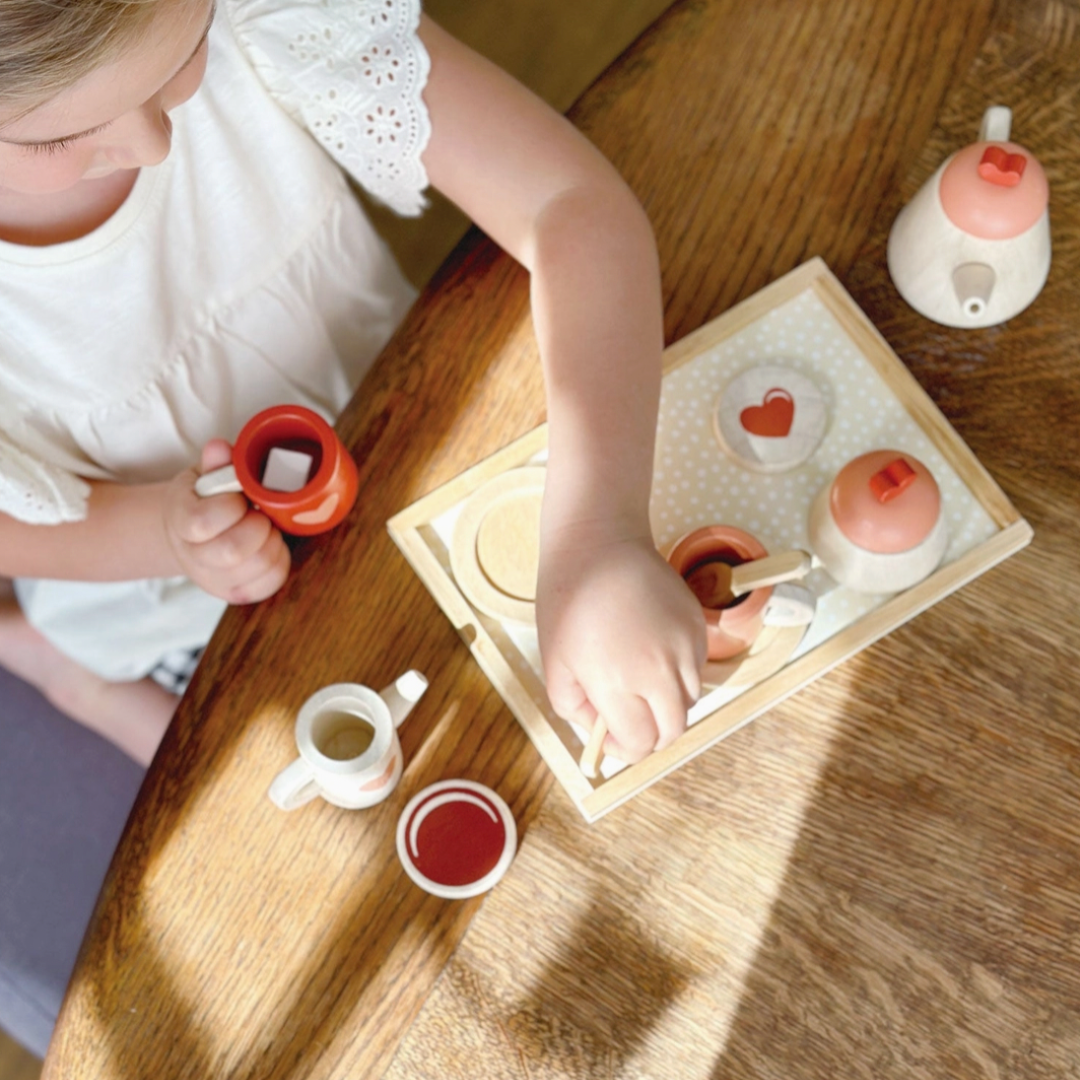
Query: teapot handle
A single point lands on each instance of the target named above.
(996, 124)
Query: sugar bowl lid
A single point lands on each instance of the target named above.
(885, 501)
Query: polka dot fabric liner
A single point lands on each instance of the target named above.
(696, 483)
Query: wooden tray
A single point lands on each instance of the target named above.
(808, 323)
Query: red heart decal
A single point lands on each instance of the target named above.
(321, 512)
(1000, 167)
(773, 417)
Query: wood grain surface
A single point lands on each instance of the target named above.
(879, 878)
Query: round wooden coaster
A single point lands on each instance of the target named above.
(771, 650)
(770, 419)
(508, 540)
(495, 548)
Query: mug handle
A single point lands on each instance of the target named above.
(790, 605)
(293, 786)
(218, 482)
(996, 122)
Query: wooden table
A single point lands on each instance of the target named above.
(879, 878)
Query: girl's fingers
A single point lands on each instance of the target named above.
(266, 584)
(669, 714)
(262, 573)
(215, 454)
(632, 727)
(567, 695)
(238, 544)
(199, 521)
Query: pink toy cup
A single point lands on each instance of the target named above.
(327, 494)
(732, 628)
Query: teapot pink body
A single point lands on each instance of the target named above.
(972, 248)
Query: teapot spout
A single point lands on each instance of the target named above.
(402, 695)
(973, 282)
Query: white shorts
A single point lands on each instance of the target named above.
(121, 629)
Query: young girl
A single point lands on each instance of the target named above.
(179, 249)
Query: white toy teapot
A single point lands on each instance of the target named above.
(972, 248)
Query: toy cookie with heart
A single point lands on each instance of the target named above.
(770, 418)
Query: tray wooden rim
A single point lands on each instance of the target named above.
(522, 689)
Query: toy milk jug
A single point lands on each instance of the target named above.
(349, 751)
(973, 247)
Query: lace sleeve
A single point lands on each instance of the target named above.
(36, 492)
(352, 72)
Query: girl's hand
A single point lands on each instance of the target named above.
(621, 637)
(222, 544)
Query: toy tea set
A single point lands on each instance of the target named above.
(972, 248)
(805, 486)
(807, 489)
(456, 838)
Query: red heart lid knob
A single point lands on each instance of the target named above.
(885, 501)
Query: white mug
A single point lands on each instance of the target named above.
(350, 754)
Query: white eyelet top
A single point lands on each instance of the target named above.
(240, 273)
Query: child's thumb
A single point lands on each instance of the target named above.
(215, 454)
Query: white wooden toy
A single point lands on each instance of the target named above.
(972, 248)
(770, 418)
(456, 839)
(286, 470)
(347, 737)
(879, 527)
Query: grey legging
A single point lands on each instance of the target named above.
(64, 797)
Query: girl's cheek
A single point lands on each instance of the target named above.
(186, 83)
(43, 174)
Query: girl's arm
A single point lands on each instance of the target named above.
(121, 537)
(620, 634)
(134, 531)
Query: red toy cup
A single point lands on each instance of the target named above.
(332, 484)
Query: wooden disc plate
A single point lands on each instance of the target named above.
(495, 549)
(771, 650)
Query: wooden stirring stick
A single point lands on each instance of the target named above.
(593, 752)
(716, 584)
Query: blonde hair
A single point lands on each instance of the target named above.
(48, 45)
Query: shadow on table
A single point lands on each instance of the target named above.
(174, 1016)
(928, 924)
(588, 1013)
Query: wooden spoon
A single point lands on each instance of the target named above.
(590, 756)
(716, 584)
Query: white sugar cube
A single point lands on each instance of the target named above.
(286, 470)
